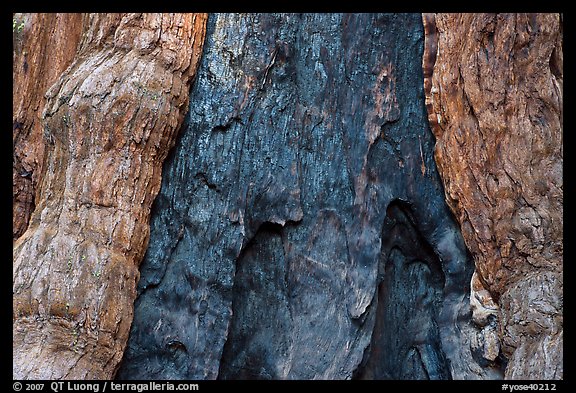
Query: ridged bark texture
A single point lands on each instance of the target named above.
(306, 146)
(302, 230)
(494, 86)
(44, 45)
(108, 124)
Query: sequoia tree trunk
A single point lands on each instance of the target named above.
(44, 46)
(108, 124)
(494, 96)
(301, 230)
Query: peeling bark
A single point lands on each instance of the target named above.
(494, 96)
(44, 46)
(108, 124)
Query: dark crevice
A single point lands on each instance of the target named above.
(554, 66)
(258, 314)
(405, 341)
(203, 178)
(225, 127)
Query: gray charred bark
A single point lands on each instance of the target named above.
(274, 248)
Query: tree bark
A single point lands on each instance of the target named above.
(304, 226)
(108, 124)
(301, 210)
(44, 46)
(494, 86)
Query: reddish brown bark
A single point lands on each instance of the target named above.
(494, 87)
(109, 122)
(44, 45)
